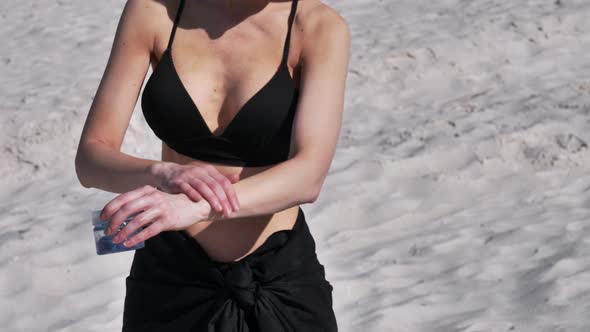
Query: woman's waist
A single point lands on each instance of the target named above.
(232, 239)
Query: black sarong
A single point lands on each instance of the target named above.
(174, 286)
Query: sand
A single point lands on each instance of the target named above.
(458, 198)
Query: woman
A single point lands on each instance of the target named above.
(245, 142)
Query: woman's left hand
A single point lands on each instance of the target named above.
(157, 210)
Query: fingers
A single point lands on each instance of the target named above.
(190, 192)
(132, 206)
(204, 189)
(234, 178)
(205, 181)
(113, 205)
(140, 220)
(218, 189)
(227, 187)
(152, 230)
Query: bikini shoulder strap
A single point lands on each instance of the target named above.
(288, 38)
(176, 19)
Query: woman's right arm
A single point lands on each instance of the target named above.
(99, 162)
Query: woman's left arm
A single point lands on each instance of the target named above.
(316, 128)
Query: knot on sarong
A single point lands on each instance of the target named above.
(240, 281)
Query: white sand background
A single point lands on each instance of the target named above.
(458, 199)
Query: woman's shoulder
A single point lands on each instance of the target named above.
(146, 9)
(148, 18)
(151, 14)
(319, 23)
(314, 16)
(147, 5)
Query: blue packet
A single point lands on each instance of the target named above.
(104, 243)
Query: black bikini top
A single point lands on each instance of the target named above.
(258, 135)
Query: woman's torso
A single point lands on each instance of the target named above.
(239, 61)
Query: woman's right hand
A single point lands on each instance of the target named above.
(198, 181)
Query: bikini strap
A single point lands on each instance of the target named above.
(288, 38)
(176, 19)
